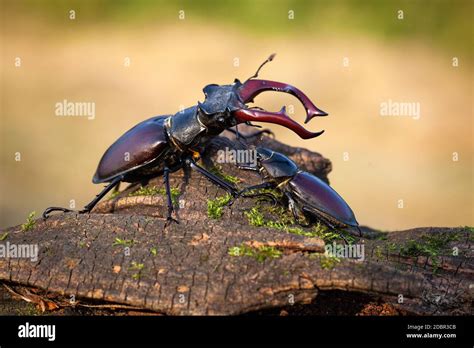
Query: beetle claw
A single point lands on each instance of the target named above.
(170, 220)
(49, 210)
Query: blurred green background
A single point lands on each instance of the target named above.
(172, 58)
(438, 22)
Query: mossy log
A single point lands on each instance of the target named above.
(125, 253)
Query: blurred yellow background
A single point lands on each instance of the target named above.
(347, 56)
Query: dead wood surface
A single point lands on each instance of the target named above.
(124, 253)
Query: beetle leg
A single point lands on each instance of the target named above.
(166, 175)
(101, 195)
(211, 177)
(294, 210)
(251, 135)
(247, 167)
(265, 185)
(89, 206)
(260, 132)
(116, 188)
(328, 223)
(291, 206)
(49, 210)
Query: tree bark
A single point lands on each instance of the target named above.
(123, 252)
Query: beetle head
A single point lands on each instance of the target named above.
(225, 105)
(217, 109)
(274, 165)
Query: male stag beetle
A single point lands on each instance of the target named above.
(164, 144)
(305, 192)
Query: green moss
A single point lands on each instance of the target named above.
(215, 208)
(153, 251)
(328, 262)
(28, 309)
(255, 217)
(260, 253)
(282, 213)
(123, 242)
(4, 236)
(329, 236)
(138, 268)
(114, 194)
(30, 222)
(217, 170)
(153, 191)
(175, 193)
(378, 251)
(471, 233)
(145, 191)
(432, 246)
(391, 247)
(283, 220)
(325, 260)
(274, 192)
(382, 236)
(429, 245)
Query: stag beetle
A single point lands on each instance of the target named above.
(164, 144)
(304, 191)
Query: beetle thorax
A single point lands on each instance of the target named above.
(184, 128)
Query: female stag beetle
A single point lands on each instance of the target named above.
(305, 192)
(165, 144)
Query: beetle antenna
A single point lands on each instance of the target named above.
(269, 59)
